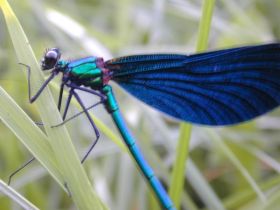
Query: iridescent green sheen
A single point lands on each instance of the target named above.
(85, 70)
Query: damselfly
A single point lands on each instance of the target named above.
(214, 88)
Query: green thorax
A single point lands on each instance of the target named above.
(85, 71)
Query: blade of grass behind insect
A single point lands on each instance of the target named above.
(16, 197)
(205, 24)
(67, 158)
(272, 203)
(29, 134)
(238, 165)
(182, 151)
(202, 188)
(240, 198)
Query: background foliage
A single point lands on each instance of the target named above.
(229, 168)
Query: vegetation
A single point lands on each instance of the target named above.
(228, 167)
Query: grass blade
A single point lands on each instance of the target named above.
(16, 197)
(178, 172)
(29, 134)
(202, 187)
(205, 24)
(238, 165)
(67, 158)
(177, 180)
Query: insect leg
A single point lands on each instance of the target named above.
(73, 86)
(92, 124)
(19, 169)
(58, 104)
(78, 114)
(67, 104)
(60, 96)
(33, 98)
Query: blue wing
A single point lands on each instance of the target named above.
(214, 88)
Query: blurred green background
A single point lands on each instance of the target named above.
(107, 28)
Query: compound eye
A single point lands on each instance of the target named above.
(51, 55)
(50, 59)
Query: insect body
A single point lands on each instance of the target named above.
(87, 71)
(215, 88)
